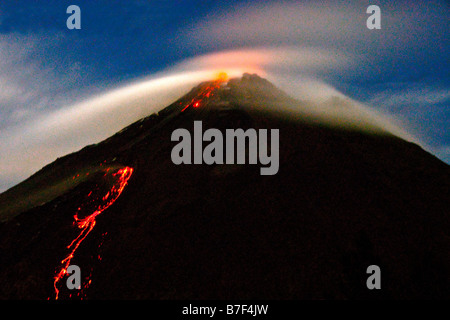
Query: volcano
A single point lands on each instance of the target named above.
(140, 227)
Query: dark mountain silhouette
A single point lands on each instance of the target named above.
(341, 201)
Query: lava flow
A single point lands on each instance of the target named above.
(207, 92)
(87, 223)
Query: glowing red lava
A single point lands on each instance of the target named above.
(87, 224)
(205, 93)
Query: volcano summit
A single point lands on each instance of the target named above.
(343, 199)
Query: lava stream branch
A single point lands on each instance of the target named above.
(88, 223)
(207, 92)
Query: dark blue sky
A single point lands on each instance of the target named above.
(125, 39)
(118, 39)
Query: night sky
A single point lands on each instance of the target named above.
(401, 70)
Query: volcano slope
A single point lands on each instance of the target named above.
(341, 201)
